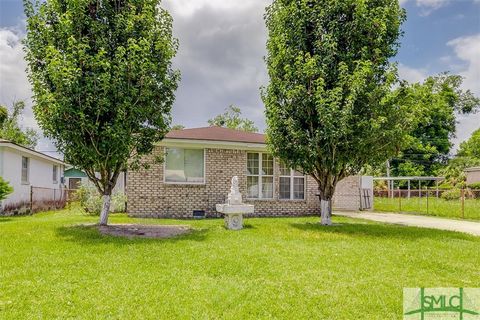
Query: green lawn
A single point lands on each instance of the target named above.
(436, 207)
(288, 268)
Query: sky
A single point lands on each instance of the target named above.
(222, 45)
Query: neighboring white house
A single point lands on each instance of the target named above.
(473, 175)
(27, 170)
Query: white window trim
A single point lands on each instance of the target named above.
(292, 177)
(26, 181)
(55, 167)
(185, 182)
(260, 176)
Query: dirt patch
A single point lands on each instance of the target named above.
(144, 231)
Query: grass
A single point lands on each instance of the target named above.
(436, 207)
(282, 268)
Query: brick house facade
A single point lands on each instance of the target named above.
(150, 194)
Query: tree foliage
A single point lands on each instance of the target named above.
(232, 119)
(102, 80)
(10, 128)
(435, 102)
(329, 105)
(177, 127)
(471, 147)
(454, 172)
(5, 189)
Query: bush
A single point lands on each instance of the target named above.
(474, 186)
(445, 186)
(91, 201)
(5, 189)
(452, 194)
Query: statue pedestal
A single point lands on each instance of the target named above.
(234, 214)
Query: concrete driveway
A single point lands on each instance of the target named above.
(417, 221)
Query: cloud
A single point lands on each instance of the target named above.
(427, 6)
(13, 79)
(14, 84)
(220, 57)
(467, 49)
(411, 74)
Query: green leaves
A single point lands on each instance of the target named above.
(471, 147)
(231, 118)
(5, 189)
(102, 79)
(329, 104)
(433, 105)
(11, 130)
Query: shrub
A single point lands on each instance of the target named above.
(91, 201)
(452, 194)
(445, 186)
(5, 189)
(474, 186)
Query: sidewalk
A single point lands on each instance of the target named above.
(416, 221)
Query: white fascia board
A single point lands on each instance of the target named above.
(30, 152)
(186, 143)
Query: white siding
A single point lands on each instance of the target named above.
(40, 174)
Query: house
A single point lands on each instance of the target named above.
(74, 178)
(32, 174)
(473, 175)
(199, 164)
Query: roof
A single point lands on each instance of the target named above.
(471, 169)
(217, 134)
(7, 143)
(74, 172)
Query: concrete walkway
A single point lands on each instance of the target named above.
(417, 221)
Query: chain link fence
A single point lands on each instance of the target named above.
(40, 199)
(451, 203)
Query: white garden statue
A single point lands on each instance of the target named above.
(234, 209)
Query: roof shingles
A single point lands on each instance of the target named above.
(217, 134)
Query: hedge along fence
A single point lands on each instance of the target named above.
(452, 203)
(41, 199)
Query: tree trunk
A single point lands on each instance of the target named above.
(105, 209)
(326, 212)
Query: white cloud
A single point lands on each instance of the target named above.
(189, 7)
(427, 6)
(411, 74)
(467, 49)
(13, 78)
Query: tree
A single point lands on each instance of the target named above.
(177, 127)
(10, 128)
(454, 172)
(5, 189)
(102, 80)
(231, 118)
(471, 147)
(330, 108)
(437, 101)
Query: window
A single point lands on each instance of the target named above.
(55, 174)
(259, 176)
(185, 165)
(292, 184)
(25, 169)
(74, 183)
